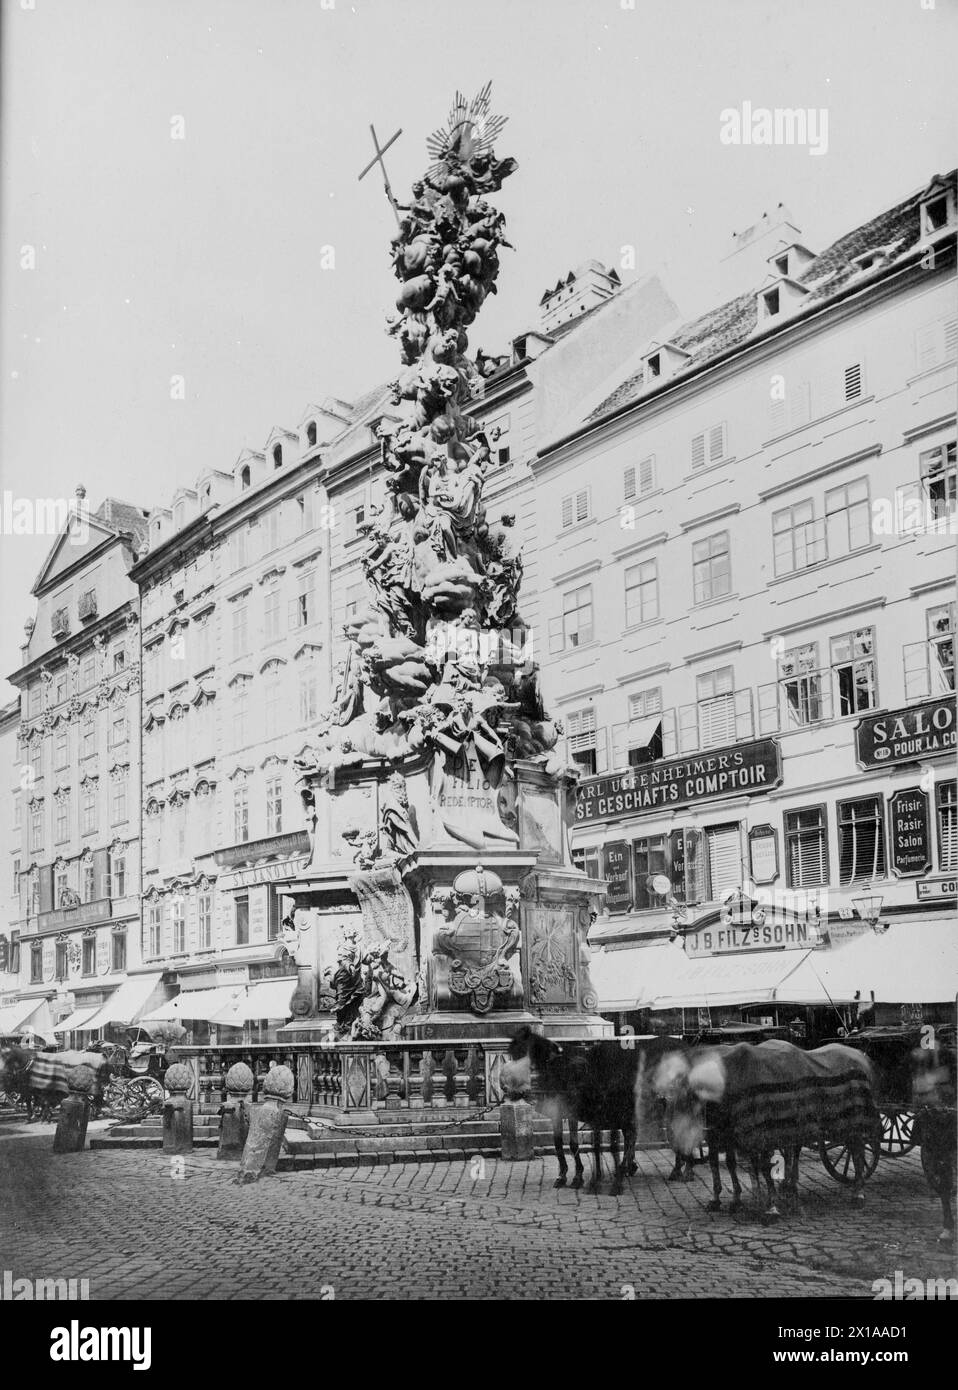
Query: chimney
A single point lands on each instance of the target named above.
(582, 289)
(749, 252)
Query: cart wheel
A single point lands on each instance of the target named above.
(836, 1155)
(897, 1132)
(148, 1092)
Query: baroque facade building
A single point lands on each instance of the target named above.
(77, 846)
(747, 554)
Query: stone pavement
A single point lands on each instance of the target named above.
(479, 1228)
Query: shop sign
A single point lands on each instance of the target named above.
(910, 833)
(903, 735)
(49, 960)
(618, 875)
(769, 932)
(763, 853)
(937, 888)
(746, 769)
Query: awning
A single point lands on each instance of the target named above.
(127, 1002)
(203, 1004)
(265, 999)
(641, 732)
(711, 981)
(79, 1019)
(912, 963)
(15, 1016)
(629, 979)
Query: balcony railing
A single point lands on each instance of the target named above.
(99, 910)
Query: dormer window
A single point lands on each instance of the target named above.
(311, 434)
(936, 214)
(245, 477)
(781, 263)
(653, 366)
(277, 455)
(938, 210)
(771, 303)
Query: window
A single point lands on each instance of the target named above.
(117, 874)
(239, 548)
(35, 893)
(649, 860)
(277, 455)
(240, 815)
(240, 629)
(274, 805)
(89, 882)
(771, 302)
(640, 479)
(311, 434)
(301, 609)
(36, 758)
(118, 732)
(274, 915)
(723, 852)
(653, 366)
(272, 531)
(62, 827)
(801, 684)
(861, 839)
(62, 961)
(60, 689)
(583, 739)
(935, 214)
(245, 477)
(806, 848)
(118, 800)
(711, 567)
(575, 508)
(852, 381)
(178, 925)
(853, 668)
(643, 706)
(119, 658)
(589, 861)
(354, 597)
(241, 911)
(36, 963)
(36, 825)
(577, 622)
(938, 475)
(308, 696)
(355, 513)
(271, 610)
(119, 951)
(16, 878)
(709, 446)
(89, 955)
(205, 914)
(304, 508)
(798, 540)
(154, 929)
(87, 672)
(715, 692)
(936, 343)
(273, 691)
(240, 713)
(946, 804)
(88, 737)
(847, 518)
(941, 644)
(61, 747)
(61, 885)
(641, 593)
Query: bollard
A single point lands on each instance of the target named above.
(516, 1115)
(74, 1115)
(267, 1127)
(178, 1111)
(234, 1114)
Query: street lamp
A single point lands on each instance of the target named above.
(868, 908)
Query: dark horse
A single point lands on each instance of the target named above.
(591, 1084)
(15, 1063)
(933, 1091)
(671, 1064)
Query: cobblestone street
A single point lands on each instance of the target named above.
(474, 1229)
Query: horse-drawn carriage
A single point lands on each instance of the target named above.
(136, 1088)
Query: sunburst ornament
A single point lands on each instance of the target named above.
(471, 129)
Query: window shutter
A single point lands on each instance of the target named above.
(951, 338)
(776, 417)
(669, 740)
(567, 512)
(620, 752)
(853, 382)
(46, 888)
(915, 659)
(647, 474)
(101, 871)
(724, 859)
(630, 490)
(601, 751)
(698, 451)
(582, 506)
(555, 635)
(929, 344)
(688, 728)
(768, 717)
(716, 443)
(948, 826)
(800, 405)
(744, 724)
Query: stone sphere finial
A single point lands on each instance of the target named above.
(239, 1079)
(279, 1084)
(178, 1078)
(82, 1079)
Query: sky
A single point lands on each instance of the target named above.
(173, 174)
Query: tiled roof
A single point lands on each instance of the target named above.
(895, 231)
(123, 517)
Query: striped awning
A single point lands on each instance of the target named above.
(127, 1002)
(78, 1020)
(16, 1016)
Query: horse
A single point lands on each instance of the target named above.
(933, 1093)
(592, 1085)
(43, 1079)
(777, 1096)
(15, 1063)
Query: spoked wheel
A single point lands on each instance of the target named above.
(147, 1092)
(836, 1155)
(897, 1132)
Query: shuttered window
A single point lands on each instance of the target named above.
(938, 478)
(709, 446)
(649, 860)
(936, 343)
(853, 381)
(861, 839)
(946, 800)
(575, 508)
(724, 859)
(806, 848)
